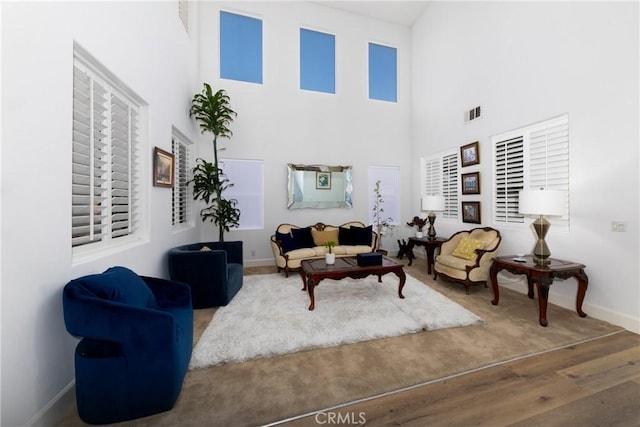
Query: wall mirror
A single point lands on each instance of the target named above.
(319, 186)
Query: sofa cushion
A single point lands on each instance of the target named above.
(454, 262)
(287, 243)
(121, 285)
(302, 237)
(324, 236)
(304, 253)
(466, 249)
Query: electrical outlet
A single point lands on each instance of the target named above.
(618, 226)
(253, 253)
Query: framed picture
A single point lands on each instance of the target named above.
(471, 212)
(469, 154)
(163, 168)
(323, 180)
(471, 183)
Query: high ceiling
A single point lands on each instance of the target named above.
(398, 12)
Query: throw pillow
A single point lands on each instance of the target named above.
(286, 241)
(302, 237)
(345, 236)
(466, 249)
(322, 237)
(362, 235)
(205, 248)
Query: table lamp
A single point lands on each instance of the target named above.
(432, 204)
(542, 203)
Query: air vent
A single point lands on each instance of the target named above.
(472, 114)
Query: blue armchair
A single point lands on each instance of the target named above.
(214, 270)
(137, 336)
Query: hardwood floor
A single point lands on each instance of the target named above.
(596, 383)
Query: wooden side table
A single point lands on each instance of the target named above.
(429, 246)
(542, 277)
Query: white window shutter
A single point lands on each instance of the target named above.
(440, 178)
(89, 159)
(509, 179)
(450, 185)
(549, 160)
(105, 158)
(181, 204)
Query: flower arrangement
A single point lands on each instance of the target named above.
(418, 222)
(382, 225)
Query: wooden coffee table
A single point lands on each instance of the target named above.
(313, 271)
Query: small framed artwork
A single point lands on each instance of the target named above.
(469, 154)
(471, 212)
(163, 168)
(323, 180)
(471, 183)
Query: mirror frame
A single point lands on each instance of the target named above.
(338, 197)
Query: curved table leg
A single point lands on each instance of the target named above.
(494, 284)
(304, 280)
(543, 297)
(403, 278)
(583, 283)
(311, 284)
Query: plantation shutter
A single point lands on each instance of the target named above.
(432, 173)
(509, 179)
(121, 167)
(450, 185)
(180, 191)
(441, 179)
(105, 162)
(89, 160)
(549, 160)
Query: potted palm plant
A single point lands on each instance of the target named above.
(330, 257)
(213, 112)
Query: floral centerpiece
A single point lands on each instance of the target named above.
(419, 223)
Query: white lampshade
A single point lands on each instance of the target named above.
(432, 203)
(542, 202)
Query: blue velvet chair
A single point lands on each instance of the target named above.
(214, 270)
(137, 336)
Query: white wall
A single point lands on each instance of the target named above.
(280, 124)
(441, 72)
(145, 45)
(526, 62)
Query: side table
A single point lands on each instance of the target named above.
(429, 246)
(542, 276)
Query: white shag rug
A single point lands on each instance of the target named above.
(269, 316)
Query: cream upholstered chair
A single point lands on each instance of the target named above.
(467, 256)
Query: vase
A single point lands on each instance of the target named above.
(419, 234)
(330, 258)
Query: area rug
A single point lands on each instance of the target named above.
(269, 316)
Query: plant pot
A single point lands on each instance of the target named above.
(330, 258)
(419, 234)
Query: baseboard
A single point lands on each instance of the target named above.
(260, 263)
(57, 409)
(592, 310)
